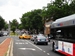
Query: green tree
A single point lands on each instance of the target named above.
(13, 28)
(14, 25)
(72, 7)
(6, 26)
(20, 27)
(2, 23)
(59, 8)
(32, 20)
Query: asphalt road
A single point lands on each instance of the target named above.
(22, 47)
(2, 38)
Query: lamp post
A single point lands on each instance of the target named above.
(9, 28)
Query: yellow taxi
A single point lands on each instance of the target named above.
(24, 36)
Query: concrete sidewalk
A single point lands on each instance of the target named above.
(4, 46)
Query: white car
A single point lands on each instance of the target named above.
(5, 33)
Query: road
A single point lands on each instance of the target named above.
(22, 47)
(2, 38)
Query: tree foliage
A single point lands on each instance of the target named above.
(32, 20)
(6, 26)
(35, 19)
(14, 25)
(2, 23)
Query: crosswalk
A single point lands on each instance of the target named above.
(20, 43)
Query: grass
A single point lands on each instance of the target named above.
(13, 34)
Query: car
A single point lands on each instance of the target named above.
(24, 36)
(21, 36)
(5, 33)
(1, 33)
(32, 38)
(40, 38)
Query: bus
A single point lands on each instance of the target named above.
(62, 32)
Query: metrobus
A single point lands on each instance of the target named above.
(63, 35)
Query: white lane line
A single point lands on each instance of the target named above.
(16, 43)
(3, 41)
(27, 49)
(20, 43)
(34, 45)
(12, 48)
(44, 51)
(26, 43)
(48, 54)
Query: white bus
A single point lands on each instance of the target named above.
(63, 35)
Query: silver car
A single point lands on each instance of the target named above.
(41, 39)
(32, 38)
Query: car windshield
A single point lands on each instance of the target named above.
(41, 36)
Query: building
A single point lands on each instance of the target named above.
(47, 27)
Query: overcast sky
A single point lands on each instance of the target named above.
(13, 9)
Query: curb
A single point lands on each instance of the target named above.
(10, 49)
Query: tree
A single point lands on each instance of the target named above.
(60, 8)
(14, 25)
(20, 27)
(32, 20)
(13, 28)
(2, 23)
(6, 26)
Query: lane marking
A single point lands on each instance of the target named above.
(48, 54)
(27, 49)
(16, 43)
(44, 51)
(12, 48)
(3, 41)
(26, 43)
(34, 45)
(20, 43)
(37, 47)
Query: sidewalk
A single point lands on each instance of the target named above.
(4, 46)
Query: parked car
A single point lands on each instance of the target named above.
(5, 33)
(40, 38)
(24, 36)
(1, 33)
(32, 38)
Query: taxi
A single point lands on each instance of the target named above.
(25, 36)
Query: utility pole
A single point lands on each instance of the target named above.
(9, 28)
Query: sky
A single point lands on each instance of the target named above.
(14, 9)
